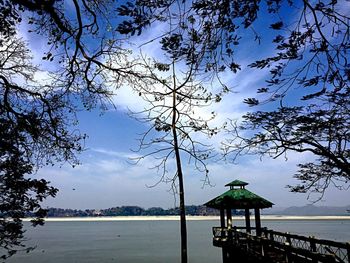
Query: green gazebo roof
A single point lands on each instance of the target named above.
(237, 183)
(238, 199)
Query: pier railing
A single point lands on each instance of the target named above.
(286, 244)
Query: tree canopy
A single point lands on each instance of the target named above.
(34, 123)
(38, 115)
(319, 129)
(308, 73)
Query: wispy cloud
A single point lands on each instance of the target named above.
(112, 181)
(124, 155)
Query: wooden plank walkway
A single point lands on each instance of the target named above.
(273, 246)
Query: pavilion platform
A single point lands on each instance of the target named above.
(258, 244)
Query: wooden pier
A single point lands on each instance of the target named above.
(256, 244)
(240, 245)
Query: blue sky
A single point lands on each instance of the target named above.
(107, 177)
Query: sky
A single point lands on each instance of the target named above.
(107, 176)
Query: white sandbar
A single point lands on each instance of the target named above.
(189, 218)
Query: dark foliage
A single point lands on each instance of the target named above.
(37, 118)
(205, 33)
(19, 194)
(80, 42)
(311, 58)
(322, 130)
(33, 133)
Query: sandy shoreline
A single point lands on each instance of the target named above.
(189, 218)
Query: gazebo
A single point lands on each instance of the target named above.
(265, 245)
(239, 198)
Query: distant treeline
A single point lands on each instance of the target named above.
(135, 211)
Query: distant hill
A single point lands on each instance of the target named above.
(198, 210)
(310, 210)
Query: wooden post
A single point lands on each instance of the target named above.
(257, 221)
(287, 254)
(222, 218)
(289, 240)
(247, 220)
(312, 243)
(223, 235)
(313, 247)
(288, 248)
(229, 218)
(229, 232)
(264, 231)
(262, 242)
(224, 255)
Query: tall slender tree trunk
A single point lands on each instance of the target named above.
(183, 228)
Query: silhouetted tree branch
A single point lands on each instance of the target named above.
(308, 68)
(38, 116)
(173, 99)
(34, 132)
(319, 129)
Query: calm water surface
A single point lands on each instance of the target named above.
(149, 241)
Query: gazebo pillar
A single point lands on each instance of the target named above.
(247, 220)
(222, 217)
(222, 225)
(257, 221)
(229, 218)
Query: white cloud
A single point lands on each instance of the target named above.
(118, 154)
(126, 99)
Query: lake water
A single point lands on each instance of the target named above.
(149, 241)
